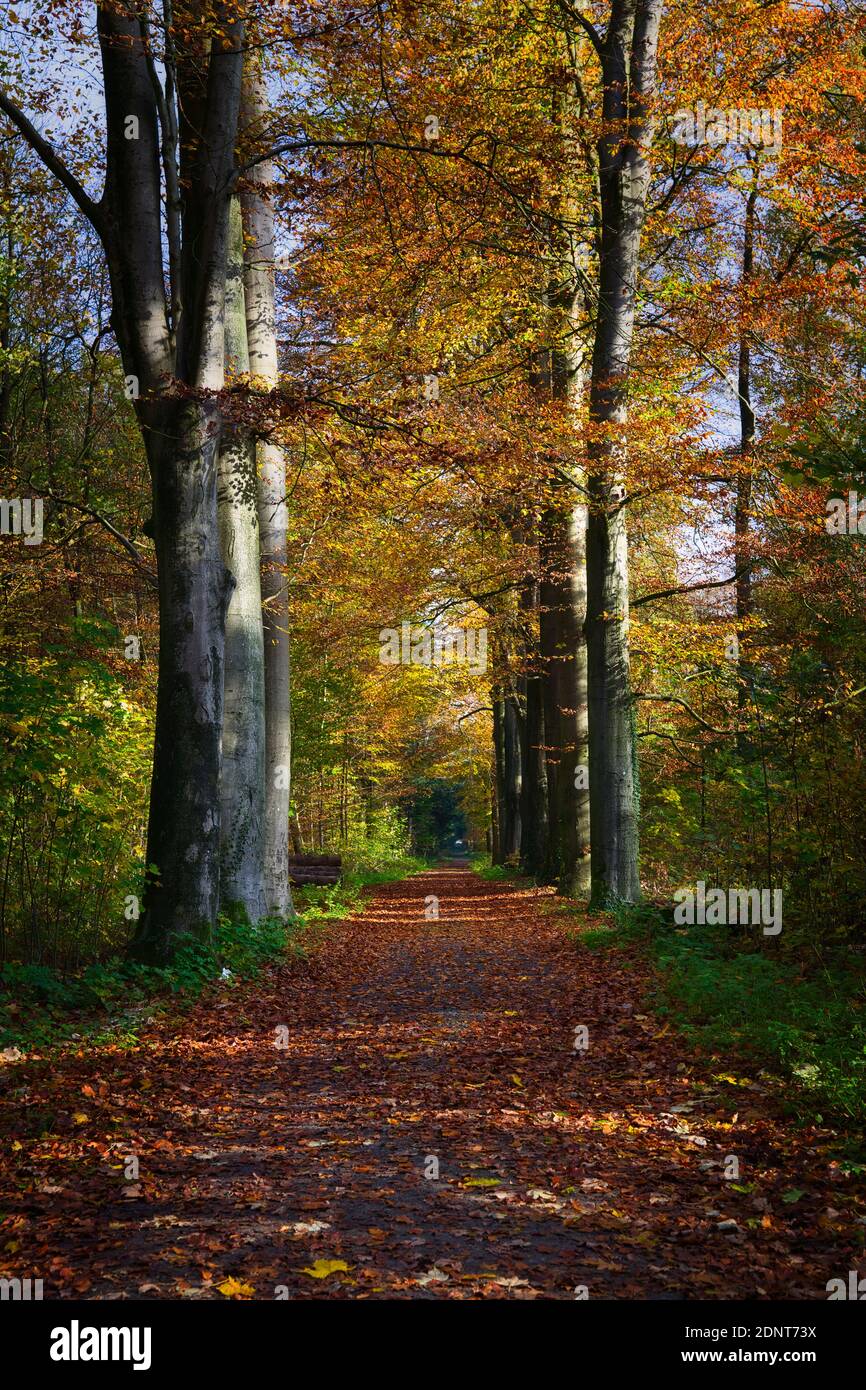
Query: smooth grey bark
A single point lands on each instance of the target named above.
(259, 289)
(628, 56)
(507, 745)
(242, 779)
(495, 841)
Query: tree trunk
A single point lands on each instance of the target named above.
(565, 666)
(181, 437)
(259, 290)
(743, 505)
(499, 778)
(533, 805)
(565, 697)
(550, 599)
(571, 692)
(629, 67)
(182, 894)
(242, 782)
(513, 778)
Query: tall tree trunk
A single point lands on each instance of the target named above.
(550, 603)
(507, 740)
(743, 504)
(258, 217)
(563, 600)
(573, 798)
(181, 438)
(182, 893)
(533, 805)
(242, 781)
(565, 667)
(628, 57)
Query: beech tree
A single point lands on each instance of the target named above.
(259, 298)
(242, 772)
(628, 56)
(167, 181)
(564, 596)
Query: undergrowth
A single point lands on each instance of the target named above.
(801, 1020)
(40, 1005)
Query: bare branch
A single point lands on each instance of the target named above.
(481, 709)
(687, 588)
(589, 29)
(52, 161)
(675, 700)
(658, 733)
(129, 547)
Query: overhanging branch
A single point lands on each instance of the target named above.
(52, 161)
(689, 588)
(675, 700)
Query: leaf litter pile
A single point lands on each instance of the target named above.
(409, 1112)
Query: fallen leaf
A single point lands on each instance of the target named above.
(234, 1288)
(322, 1268)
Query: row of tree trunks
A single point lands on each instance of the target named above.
(219, 805)
(578, 686)
(541, 776)
(181, 438)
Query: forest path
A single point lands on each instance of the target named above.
(413, 1044)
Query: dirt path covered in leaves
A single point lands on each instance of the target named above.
(427, 1130)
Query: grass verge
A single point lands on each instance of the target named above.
(728, 996)
(493, 873)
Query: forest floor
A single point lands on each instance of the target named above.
(428, 1129)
